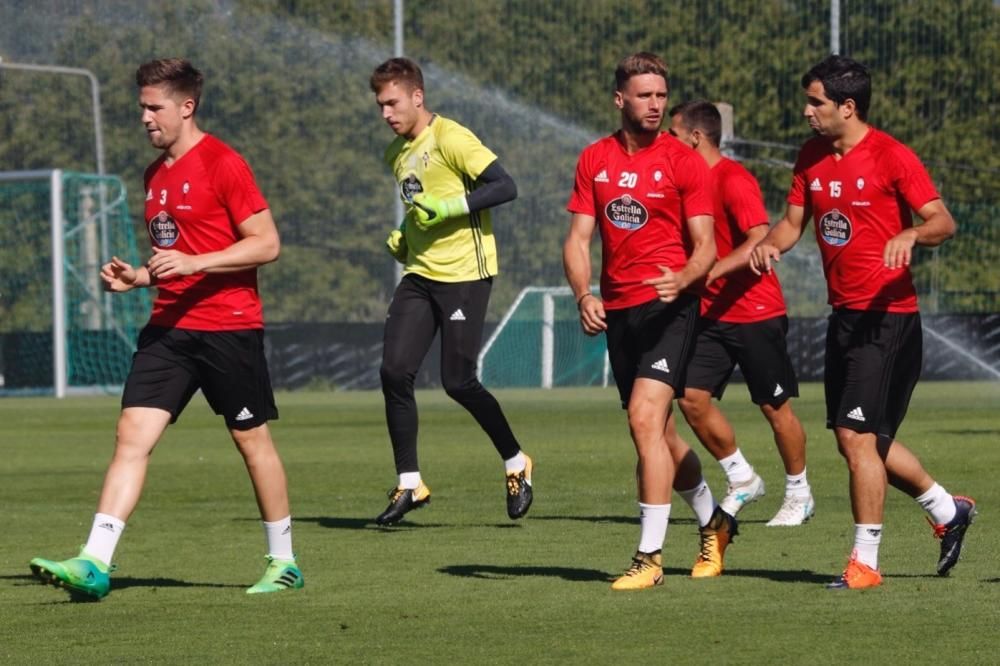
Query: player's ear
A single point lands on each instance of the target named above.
(848, 109)
(619, 99)
(188, 107)
(418, 97)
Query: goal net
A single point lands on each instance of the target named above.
(60, 332)
(539, 343)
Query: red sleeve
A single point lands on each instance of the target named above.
(911, 178)
(743, 201)
(582, 199)
(237, 188)
(694, 180)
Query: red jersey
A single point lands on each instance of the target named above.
(195, 205)
(859, 202)
(740, 297)
(641, 203)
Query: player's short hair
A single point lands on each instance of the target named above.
(843, 79)
(701, 115)
(636, 64)
(178, 75)
(403, 71)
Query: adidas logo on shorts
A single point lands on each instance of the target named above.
(457, 315)
(661, 365)
(856, 414)
(778, 390)
(244, 415)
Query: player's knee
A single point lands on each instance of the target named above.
(461, 391)
(395, 377)
(694, 406)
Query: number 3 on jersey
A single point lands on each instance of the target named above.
(628, 179)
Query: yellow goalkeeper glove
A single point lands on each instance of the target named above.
(429, 210)
(396, 243)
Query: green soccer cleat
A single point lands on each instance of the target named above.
(279, 575)
(80, 576)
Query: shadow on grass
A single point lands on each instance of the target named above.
(782, 576)
(623, 520)
(493, 572)
(118, 583)
(346, 523)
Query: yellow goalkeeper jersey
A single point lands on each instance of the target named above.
(445, 159)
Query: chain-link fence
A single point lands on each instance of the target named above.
(287, 86)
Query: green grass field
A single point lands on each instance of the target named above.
(460, 583)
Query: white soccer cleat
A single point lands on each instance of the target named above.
(794, 511)
(740, 495)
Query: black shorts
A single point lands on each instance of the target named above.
(653, 340)
(228, 366)
(759, 348)
(872, 365)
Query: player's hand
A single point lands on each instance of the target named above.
(171, 263)
(428, 210)
(763, 258)
(118, 276)
(592, 316)
(396, 243)
(668, 286)
(899, 249)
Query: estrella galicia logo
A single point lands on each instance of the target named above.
(163, 230)
(835, 228)
(409, 186)
(626, 213)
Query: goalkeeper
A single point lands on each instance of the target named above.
(448, 180)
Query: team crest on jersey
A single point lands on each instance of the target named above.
(626, 213)
(409, 186)
(163, 230)
(835, 228)
(861, 183)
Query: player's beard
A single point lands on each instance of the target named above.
(635, 125)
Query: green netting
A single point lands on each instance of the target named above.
(100, 328)
(515, 353)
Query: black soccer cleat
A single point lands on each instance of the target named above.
(953, 534)
(402, 501)
(519, 494)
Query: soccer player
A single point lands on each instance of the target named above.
(643, 189)
(448, 180)
(743, 320)
(859, 184)
(210, 228)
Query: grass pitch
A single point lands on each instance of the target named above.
(458, 582)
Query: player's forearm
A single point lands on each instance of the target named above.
(783, 235)
(737, 260)
(576, 264)
(493, 187)
(246, 253)
(699, 263)
(936, 229)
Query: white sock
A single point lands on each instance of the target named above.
(701, 501)
(654, 519)
(939, 503)
(279, 538)
(797, 485)
(515, 464)
(103, 539)
(409, 480)
(737, 469)
(866, 541)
